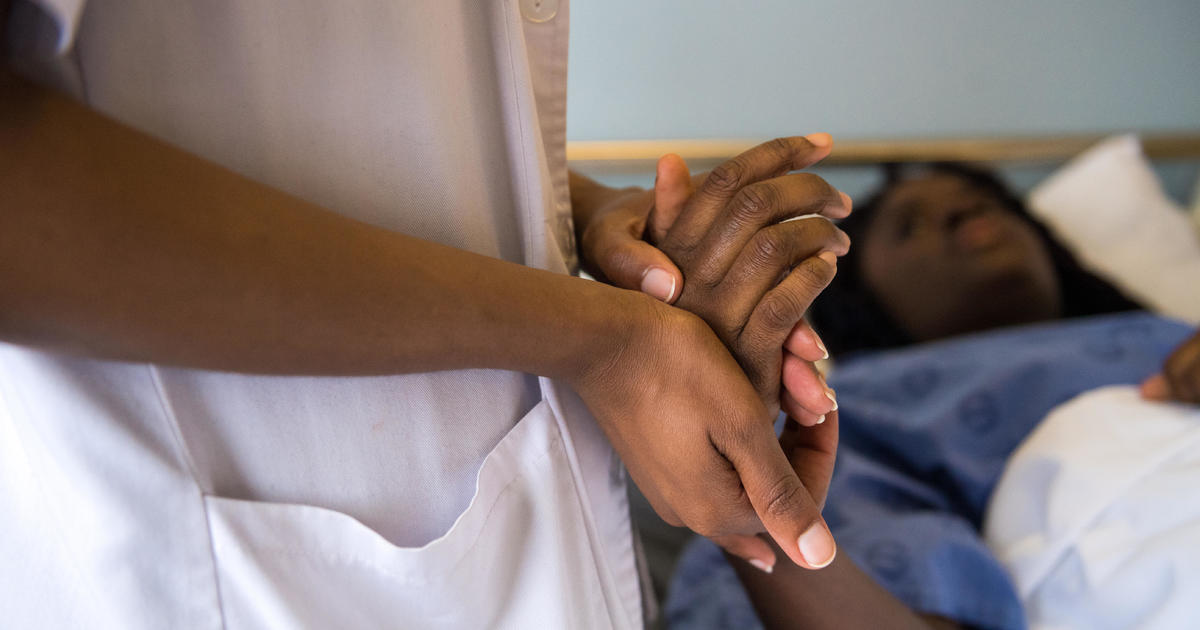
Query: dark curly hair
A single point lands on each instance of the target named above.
(850, 318)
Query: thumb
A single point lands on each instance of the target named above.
(631, 263)
(672, 188)
(787, 510)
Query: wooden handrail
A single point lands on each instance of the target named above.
(636, 155)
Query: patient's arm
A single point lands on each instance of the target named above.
(840, 596)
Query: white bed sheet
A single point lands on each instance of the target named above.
(1097, 515)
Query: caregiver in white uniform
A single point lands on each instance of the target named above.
(253, 192)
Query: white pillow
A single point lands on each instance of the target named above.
(1108, 208)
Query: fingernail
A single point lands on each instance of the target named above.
(821, 419)
(829, 393)
(817, 546)
(761, 566)
(828, 257)
(820, 139)
(820, 344)
(658, 283)
(832, 398)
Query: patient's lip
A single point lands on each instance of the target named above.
(978, 232)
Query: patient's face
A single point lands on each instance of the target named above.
(945, 258)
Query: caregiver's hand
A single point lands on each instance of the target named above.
(698, 440)
(608, 226)
(749, 274)
(1180, 377)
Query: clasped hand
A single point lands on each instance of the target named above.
(690, 401)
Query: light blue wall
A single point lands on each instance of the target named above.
(877, 68)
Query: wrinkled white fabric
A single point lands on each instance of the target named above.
(1097, 517)
(144, 497)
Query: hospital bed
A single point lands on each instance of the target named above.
(1101, 196)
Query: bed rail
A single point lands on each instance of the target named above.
(640, 155)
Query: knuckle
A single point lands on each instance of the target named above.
(781, 148)
(814, 276)
(781, 310)
(705, 275)
(784, 497)
(754, 204)
(820, 193)
(727, 177)
(768, 247)
(783, 153)
(823, 232)
(779, 313)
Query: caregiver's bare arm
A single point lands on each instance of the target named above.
(840, 597)
(116, 245)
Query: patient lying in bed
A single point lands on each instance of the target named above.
(959, 325)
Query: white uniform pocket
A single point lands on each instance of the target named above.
(517, 557)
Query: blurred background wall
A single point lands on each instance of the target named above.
(870, 69)
(879, 69)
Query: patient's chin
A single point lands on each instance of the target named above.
(1009, 287)
(988, 301)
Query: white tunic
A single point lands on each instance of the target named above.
(140, 496)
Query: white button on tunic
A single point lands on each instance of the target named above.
(539, 10)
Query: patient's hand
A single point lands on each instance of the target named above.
(1180, 377)
(751, 277)
(747, 273)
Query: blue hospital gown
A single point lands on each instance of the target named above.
(925, 434)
